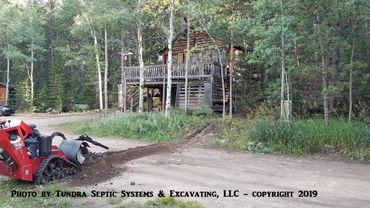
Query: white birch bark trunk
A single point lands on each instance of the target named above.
(169, 62)
(7, 78)
(141, 64)
(31, 72)
(282, 111)
(106, 70)
(97, 59)
(187, 64)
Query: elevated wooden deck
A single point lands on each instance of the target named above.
(204, 85)
(157, 73)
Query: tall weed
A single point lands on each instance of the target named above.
(299, 137)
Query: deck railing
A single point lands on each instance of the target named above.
(178, 71)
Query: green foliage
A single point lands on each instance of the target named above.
(58, 104)
(23, 94)
(350, 140)
(41, 99)
(150, 126)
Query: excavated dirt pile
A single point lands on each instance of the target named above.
(102, 167)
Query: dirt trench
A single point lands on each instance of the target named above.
(102, 167)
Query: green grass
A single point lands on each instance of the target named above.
(153, 126)
(350, 140)
(29, 202)
(165, 202)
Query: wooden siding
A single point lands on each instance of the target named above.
(198, 40)
(200, 43)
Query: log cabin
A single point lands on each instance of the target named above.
(204, 75)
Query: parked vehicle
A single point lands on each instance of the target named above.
(6, 110)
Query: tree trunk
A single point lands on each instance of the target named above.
(7, 78)
(99, 69)
(187, 63)
(231, 75)
(123, 79)
(350, 74)
(222, 83)
(169, 61)
(222, 75)
(283, 113)
(222, 71)
(52, 42)
(323, 74)
(366, 28)
(31, 72)
(106, 70)
(325, 89)
(141, 64)
(296, 51)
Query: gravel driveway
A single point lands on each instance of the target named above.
(338, 184)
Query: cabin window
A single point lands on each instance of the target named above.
(199, 57)
(174, 59)
(202, 57)
(180, 58)
(214, 56)
(194, 58)
(207, 57)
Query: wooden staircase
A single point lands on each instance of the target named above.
(132, 101)
(217, 98)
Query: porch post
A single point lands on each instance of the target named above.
(208, 94)
(124, 93)
(163, 94)
(120, 96)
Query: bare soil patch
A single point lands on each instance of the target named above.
(104, 166)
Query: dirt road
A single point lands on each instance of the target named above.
(339, 184)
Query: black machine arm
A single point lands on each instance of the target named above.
(83, 137)
(86, 138)
(58, 134)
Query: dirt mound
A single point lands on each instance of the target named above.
(102, 167)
